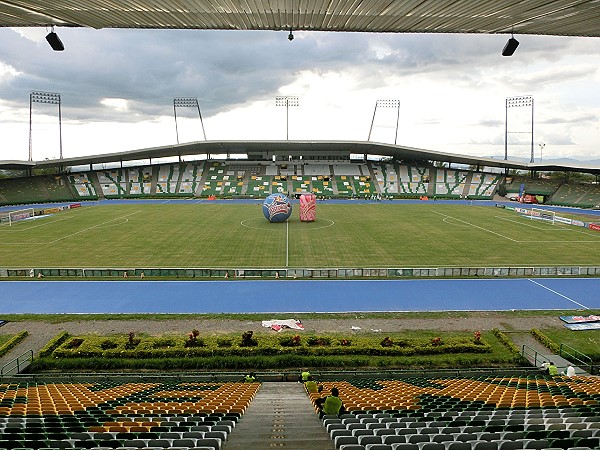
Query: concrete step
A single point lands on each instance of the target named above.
(280, 416)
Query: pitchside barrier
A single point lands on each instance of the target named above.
(542, 214)
(304, 273)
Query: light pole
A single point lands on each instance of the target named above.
(542, 145)
(515, 102)
(50, 98)
(387, 103)
(187, 102)
(287, 101)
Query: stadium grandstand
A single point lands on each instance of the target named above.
(506, 407)
(327, 169)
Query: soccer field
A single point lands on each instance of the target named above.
(344, 235)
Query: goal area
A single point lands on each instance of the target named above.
(11, 217)
(543, 214)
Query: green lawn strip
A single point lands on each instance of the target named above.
(584, 341)
(507, 315)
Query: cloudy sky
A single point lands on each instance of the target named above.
(117, 89)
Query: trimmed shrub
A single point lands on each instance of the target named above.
(163, 343)
(74, 343)
(290, 341)
(224, 342)
(53, 344)
(108, 344)
(316, 341)
(12, 342)
(248, 340)
(545, 340)
(387, 342)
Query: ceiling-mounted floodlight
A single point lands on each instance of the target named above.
(510, 46)
(291, 36)
(55, 41)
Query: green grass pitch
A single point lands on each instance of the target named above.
(345, 235)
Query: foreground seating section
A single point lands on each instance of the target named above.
(115, 415)
(535, 412)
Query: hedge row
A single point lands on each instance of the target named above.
(12, 342)
(148, 347)
(53, 344)
(545, 340)
(278, 362)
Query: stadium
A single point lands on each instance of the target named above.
(147, 294)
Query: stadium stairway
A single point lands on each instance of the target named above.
(280, 416)
(93, 177)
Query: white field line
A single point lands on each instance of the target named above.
(95, 226)
(550, 228)
(287, 243)
(563, 227)
(20, 229)
(476, 226)
(529, 225)
(558, 293)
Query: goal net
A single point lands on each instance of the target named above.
(543, 214)
(10, 217)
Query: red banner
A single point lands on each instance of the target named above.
(594, 226)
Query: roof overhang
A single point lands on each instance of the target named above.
(297, 148)
(540, 17)
(17, 165)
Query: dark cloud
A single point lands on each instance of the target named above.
(225, 69)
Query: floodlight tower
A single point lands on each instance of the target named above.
(516, 102)
(50, 98)
(386, 103)
(187, 102)
(287, 101)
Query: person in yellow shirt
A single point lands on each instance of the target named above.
(331, 405)
(311, 385)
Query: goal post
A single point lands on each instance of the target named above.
(10, 217)
(543, 214)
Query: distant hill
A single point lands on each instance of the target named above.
(551, 160)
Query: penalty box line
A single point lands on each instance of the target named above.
(476, 226)
(95, 226)
(44, 224)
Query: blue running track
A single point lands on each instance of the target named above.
(279, 296)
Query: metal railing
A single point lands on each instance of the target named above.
(531, 355)
(273, 376)
(575, 356)
(17, 364)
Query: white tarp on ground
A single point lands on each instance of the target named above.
(279, 325)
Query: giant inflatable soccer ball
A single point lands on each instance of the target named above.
(277, 208)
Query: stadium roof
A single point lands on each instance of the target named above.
(541, 17)
(266, 149)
